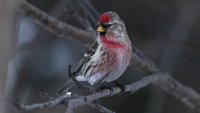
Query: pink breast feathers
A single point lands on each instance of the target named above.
(110, 43)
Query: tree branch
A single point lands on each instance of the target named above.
(187, 95)
(100, 108)
(55, 26)
(77, 101)
(184, 93)
(83, 21)
(38, 106)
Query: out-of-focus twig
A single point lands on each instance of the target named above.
(53, 25)
(89, 10)
(84, 22)
(187, 95)
(100, 108)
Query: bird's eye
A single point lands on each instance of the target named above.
(107, 25)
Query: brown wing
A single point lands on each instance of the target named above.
(87, 56)
(70, 84)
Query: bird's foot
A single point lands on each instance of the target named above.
(123, 89)
(103, 86)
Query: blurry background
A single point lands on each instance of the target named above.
(167, 31)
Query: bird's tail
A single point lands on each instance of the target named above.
(68, 86)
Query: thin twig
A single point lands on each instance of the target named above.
(89, 10)
(84, 22)
(37, 106)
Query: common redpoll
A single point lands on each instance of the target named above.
(108, 57)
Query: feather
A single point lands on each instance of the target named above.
(68, 86)
(70, 83)
(87, 56)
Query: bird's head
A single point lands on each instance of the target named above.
(111, 26)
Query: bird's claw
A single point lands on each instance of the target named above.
(123, 89)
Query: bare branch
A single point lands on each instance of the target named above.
(100, 108)
(187, 95)
(88, 9)
(53, 25)
(83, 21)
(142, 64)
(37, 106)
(77, 101)
(184, 93)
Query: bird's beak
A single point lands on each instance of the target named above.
(101, 29)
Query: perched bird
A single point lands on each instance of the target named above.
(107, 58)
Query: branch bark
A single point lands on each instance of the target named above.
(100, 108)
(185, 94)
(77, 101)
(38, 106)
(55, 26)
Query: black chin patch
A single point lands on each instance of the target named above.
(102, 33)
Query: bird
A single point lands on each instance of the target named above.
(107, 58)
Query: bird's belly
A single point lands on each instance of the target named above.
(109, 69)
(114, 74)
(122, 64)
